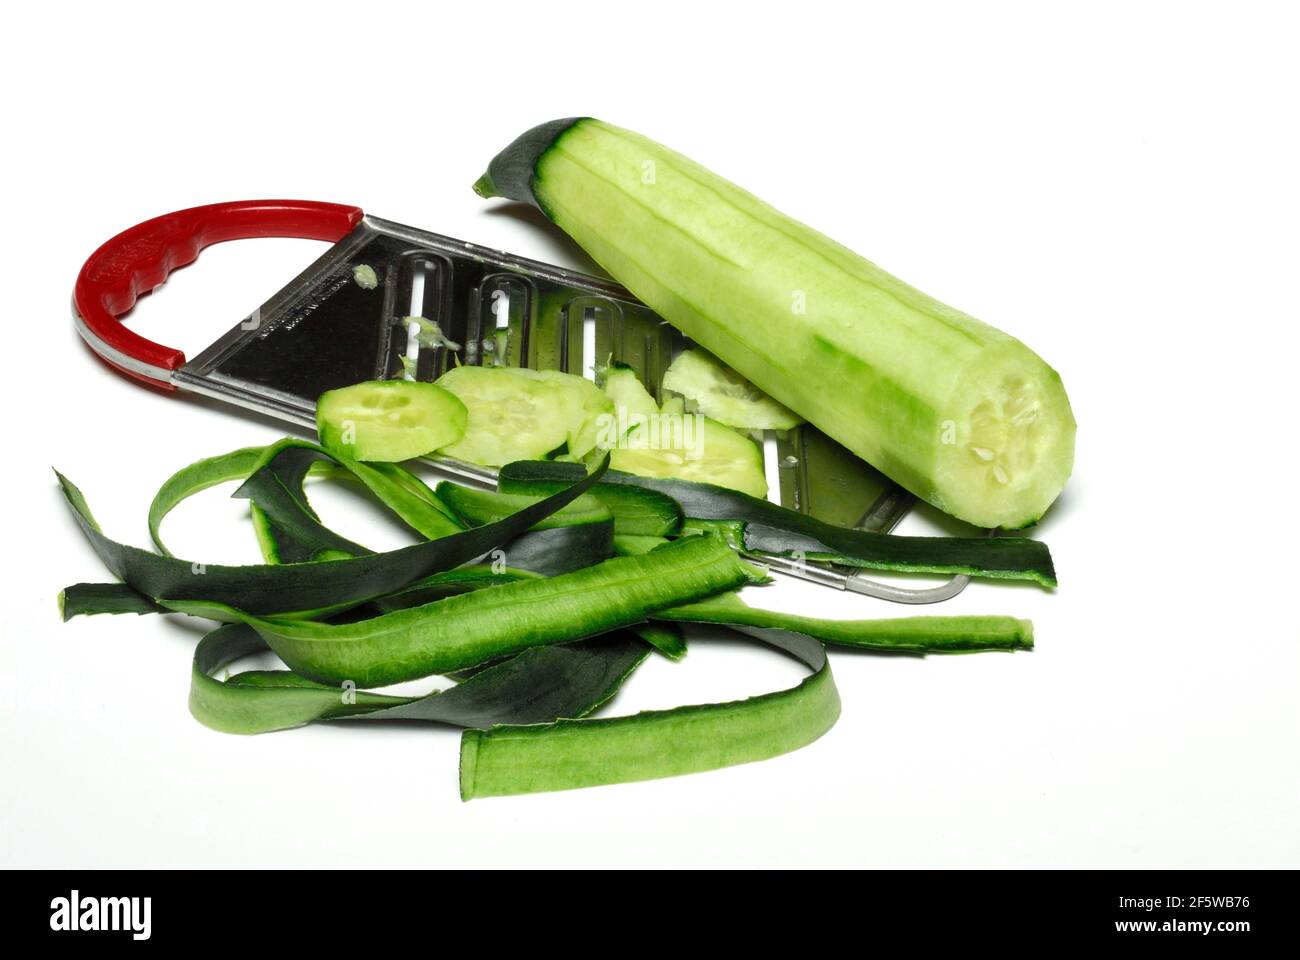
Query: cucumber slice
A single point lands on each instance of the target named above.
(959, 413)
(626, 391)
(654, 441)
(511, 416)
(692, 447)
(723, 394)
(388, 420)
(586, 404)
(520, 414)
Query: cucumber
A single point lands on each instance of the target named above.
(511, 416)
(719, 392)
(627, 392)
(654, 441)
(584, 405)
(521, 414)
(692, 447)
(388, 420)
(634, 545)
(961, 414)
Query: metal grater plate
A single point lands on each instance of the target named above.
(325, 331)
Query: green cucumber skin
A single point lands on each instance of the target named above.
(470, 628)
(881, 367)
(538, 686)
(569, 754)
(512, 171)
(637, 511)
(315, 587)
(918, 635)
(477, 507)
(765, 527)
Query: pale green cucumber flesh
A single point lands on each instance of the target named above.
(692, 447)
(719, 392)
(520, 414)
(653, 441)
(956, 411)
(585, 407)
(388, 420)
(626, 391)
(511, 417)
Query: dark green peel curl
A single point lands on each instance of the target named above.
(537, 634)
(465, 630)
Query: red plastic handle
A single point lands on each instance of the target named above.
(139, 259)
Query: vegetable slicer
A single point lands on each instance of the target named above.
(325, 330)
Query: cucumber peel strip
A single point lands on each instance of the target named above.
(567, 754)
(393, 485)
(529, 679)
(465, 630)
(538, 685)
(637, 511)
(918, 635)
(763, 527)
(290, 529)
(515, 759)
(313, 586)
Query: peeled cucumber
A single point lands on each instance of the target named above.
(959, 413)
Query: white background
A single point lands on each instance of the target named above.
(1116, 186)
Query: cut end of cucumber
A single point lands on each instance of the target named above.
(468, 762)
(1026, 634)
(1006, 452)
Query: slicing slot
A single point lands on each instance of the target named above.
(588, 361)
(412, 350)
(593, 336)
(502, 321)
(419, 274)
(501, 307)
(772, 466)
